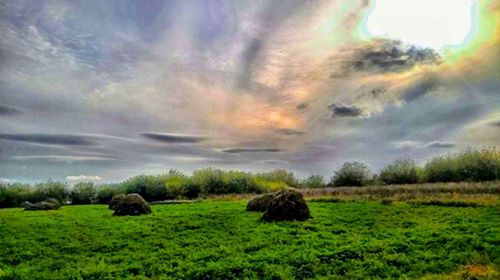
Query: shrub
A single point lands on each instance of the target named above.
(151, 188)
(279, 175)
(287, 205)
(260, 202)
(263, 185)
(479, 165)
(176, 184)
(239, 182)
(12, 195)
(50, 189)
(192, 190)
(210, 180)
(313, 181)
(130, 205)
(106, 192)
(216, 181)
(400, 171)
(352, 174)
(471, 165)
(83, 193)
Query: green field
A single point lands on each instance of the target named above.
(219, 240)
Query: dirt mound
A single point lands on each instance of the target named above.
(132, 204)
(48, 204)
(260, 202)
(287, 205)
(114, 201)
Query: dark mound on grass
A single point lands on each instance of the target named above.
(114, 201)
(260, 202)
(132, 204)
(48, 204)
(287, 205)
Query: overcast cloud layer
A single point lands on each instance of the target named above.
(104, 90)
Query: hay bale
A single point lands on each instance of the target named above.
(260, 202)
(287, 205)
(54, 201)
(26, 204)
(114, 201)
(132, 204)
(48, 204)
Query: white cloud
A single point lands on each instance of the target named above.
(82, 178)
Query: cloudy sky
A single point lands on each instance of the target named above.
(105, 90)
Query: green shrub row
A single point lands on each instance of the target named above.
(471, 165)
(468, 166)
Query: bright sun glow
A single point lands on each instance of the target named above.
(427, 23)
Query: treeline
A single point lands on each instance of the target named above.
(471, 165)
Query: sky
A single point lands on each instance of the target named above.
(105, 90)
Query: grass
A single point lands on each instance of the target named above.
(219, 240)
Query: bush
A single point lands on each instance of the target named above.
(130, 205)
(83, 193)
(12, 195)
(216, 181)
(400, 171)
(313, 181)
(279, 175)
(471, 165)
(287, 205)
(352, 174)
(151, 188)
(176, 184)
(210, 180)
(106, 192)
(50, 189)
(260, 202)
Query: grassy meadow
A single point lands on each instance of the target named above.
(220, 240)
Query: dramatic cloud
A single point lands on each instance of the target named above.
(51, 139)
(250, 150)
(55, 158)
(384, 55)
(9, 111)
(418, 145)
(439, 144)
(85, 94)
(173, 138)
(343, 110)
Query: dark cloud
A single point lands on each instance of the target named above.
(53, 139)
(302, 106)
(439, 144)
(420, 88)
(173, 138)
(384, 55)
(290, 132)
(8, 111)
(343, 110)
(250, 150)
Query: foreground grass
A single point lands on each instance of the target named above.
(219, 240)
